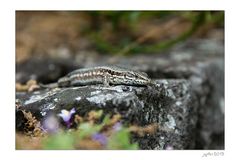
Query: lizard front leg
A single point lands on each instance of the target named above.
(106, 81)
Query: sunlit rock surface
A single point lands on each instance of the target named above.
(188, 104)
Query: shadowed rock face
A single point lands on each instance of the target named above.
(188, 103)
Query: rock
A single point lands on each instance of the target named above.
(43, 70)
(201, 62)
(171, 104)
(197, 63)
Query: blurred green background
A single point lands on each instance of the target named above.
(111, 32)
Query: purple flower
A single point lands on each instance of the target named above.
(100, 138)
(117, 126)
(169, 147)
(50, 124)
(66, 116)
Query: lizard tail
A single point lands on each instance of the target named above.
(51, 85)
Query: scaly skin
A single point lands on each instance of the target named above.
(107, 75)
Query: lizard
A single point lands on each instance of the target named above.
(107, 75)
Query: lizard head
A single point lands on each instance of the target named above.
(137, 78)
(128, 77)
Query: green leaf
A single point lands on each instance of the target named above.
(106, 120)
(86, 129)
(121, 140)
(59, 141)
